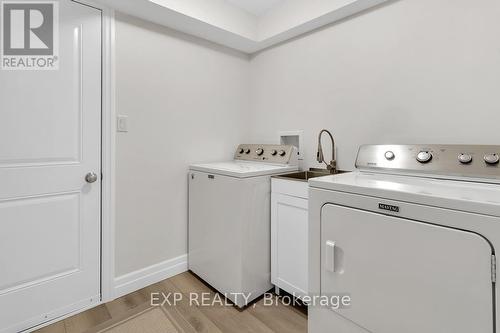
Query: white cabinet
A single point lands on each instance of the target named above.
(289, 235)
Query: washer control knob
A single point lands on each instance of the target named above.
(389, 155)
(424, 157)
(282, 153)
(241, 151)
(491, 159)
(465, 158)
(274, 152)
(259, 151)
(247, 151)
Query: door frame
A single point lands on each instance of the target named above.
(108, 150)
(108, 157)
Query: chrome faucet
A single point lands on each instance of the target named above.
(332, 166)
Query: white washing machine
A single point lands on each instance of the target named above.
(411, 237)
(229, 219)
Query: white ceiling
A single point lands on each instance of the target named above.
(256, 7)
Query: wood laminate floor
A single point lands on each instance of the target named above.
(190, 316)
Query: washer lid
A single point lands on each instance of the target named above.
(458, 195)
(242, 169)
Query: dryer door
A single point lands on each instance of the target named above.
(406, 276)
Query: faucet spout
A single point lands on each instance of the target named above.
(332, 166)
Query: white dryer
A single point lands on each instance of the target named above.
(411, 237)
(229, 219)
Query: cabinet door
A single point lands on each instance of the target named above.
(406, 276)
(289, 230)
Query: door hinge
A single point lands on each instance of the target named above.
(493, 268)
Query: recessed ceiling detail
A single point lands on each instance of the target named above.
(245, 25)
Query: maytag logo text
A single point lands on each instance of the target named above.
(390, 208)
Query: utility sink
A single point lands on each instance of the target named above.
(306, 175)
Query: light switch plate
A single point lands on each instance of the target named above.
(122, 123)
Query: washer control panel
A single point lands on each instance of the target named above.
(475, 161)
(279, 154)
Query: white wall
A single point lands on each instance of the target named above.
(186, 100)
(407, 72)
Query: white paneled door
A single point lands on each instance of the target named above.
(50, 140)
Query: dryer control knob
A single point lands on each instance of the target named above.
(424, 157)
(465, 158)
(274, 152)
(389, 155)
(491, 159)
(241, 151)
(282, 153)
(259, 151)
(247, 151)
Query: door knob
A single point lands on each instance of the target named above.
(91, 177)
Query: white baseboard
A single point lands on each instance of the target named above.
(139, 279)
